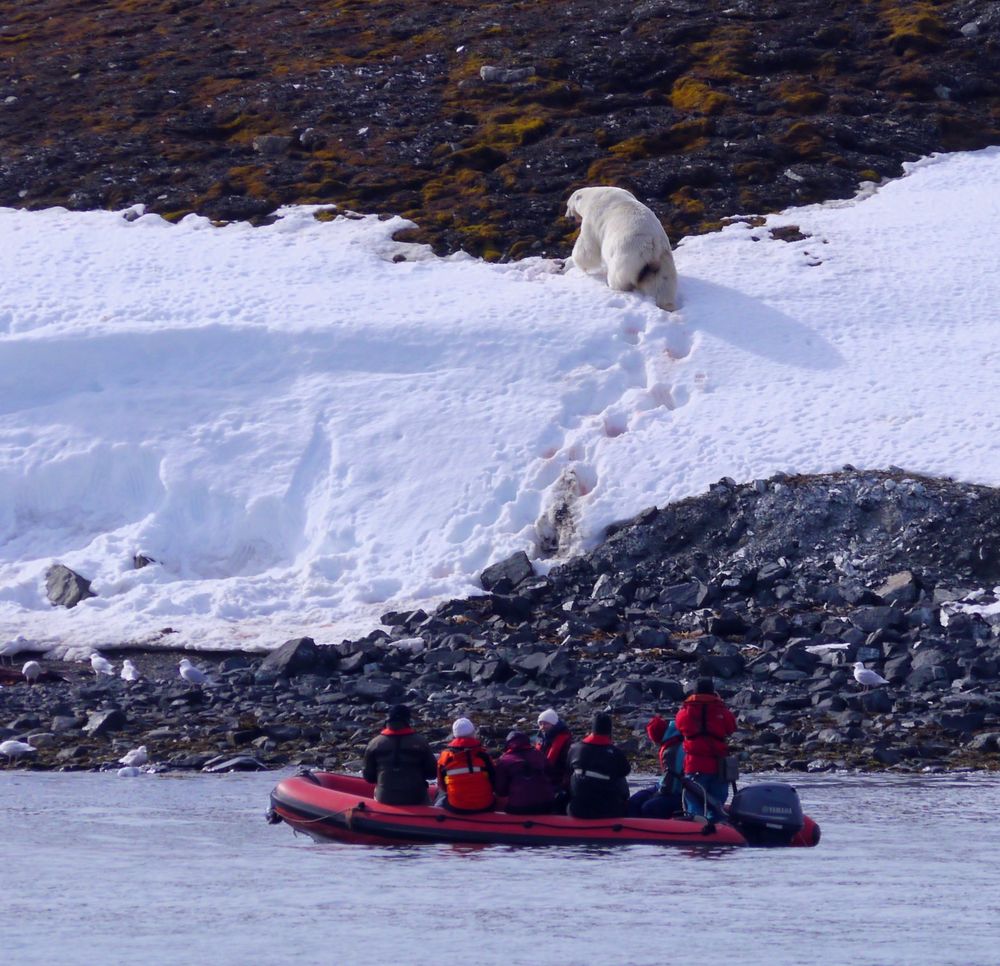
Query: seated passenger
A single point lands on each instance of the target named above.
(598, 784)
(553, 741)
(521, 783)
(665, 797)
(398, 762)
(465, 773)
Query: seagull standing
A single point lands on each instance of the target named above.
(14, 749)
(135, 757)
(101, 665)
(866, 677)
(32, 671)
(190, 673)
(129, 671)
(12, 647)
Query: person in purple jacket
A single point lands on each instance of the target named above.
(522, 786)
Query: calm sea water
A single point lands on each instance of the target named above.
(98, 869)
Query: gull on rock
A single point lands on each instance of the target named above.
(867, 677)
(14, 749)
(135, 757)
(101, 665)
(129, 671)
(190, 673)
(32, 671)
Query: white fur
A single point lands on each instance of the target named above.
(619, 234)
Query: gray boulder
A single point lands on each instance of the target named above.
(297, 656)
(901, 588)
(105, 722)
(503, 577)
(65, 588)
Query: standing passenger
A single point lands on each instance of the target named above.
(399, 761)
(706, 723)
(465, 772)
(598, 785)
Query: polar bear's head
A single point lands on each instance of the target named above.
(573, 206)
(583, 200)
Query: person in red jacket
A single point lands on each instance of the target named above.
(465, 773)
(706, 723)
(554, 739)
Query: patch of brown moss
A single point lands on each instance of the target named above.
(687, 207)
(801, 98)
(513, 133)
(804, 139)
(913, 26)
(723, 56)
(754, 172)
(485, 239)
(689, 94)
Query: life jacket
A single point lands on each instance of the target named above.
(706, 723)
(465, 773)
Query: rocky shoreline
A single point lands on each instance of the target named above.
(775, 587)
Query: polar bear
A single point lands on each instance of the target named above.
(620, 234)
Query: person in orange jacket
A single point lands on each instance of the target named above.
(465, 773)
(706, 723)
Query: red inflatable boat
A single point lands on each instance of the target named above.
(342, 807)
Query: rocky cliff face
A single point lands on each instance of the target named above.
(476, 120)
(774, 587)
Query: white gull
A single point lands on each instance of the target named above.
(129, 671)
(135, 757)
(867, 677)
(190, 673)
(14, 749)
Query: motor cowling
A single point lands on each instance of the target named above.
(767, 814)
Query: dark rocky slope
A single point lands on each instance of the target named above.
(749, 583)
(476, 120)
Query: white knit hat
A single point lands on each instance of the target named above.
(463, 728)
(548, 716)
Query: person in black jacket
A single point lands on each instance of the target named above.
(598, 770)
(399, 761)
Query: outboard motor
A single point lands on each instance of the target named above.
(767, 814)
